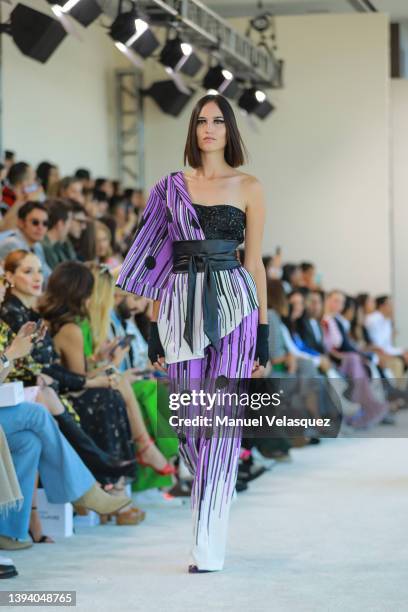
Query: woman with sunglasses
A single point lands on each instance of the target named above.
(210, 312)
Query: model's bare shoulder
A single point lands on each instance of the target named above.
(253, 191)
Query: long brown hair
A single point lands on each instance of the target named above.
(276, 297)
(64, 301)
(235, 152)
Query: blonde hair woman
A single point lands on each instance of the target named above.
(103, 243)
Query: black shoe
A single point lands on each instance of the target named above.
(248, 472)
(182, 488)
(389, 419)
(240, 486)
(193, 569)
(7, 571)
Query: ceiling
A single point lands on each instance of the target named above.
(397, 9)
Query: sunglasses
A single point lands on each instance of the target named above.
(37, 222)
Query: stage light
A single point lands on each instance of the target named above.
(180, 56)
(35, 34)
(169, 97)
(253, 100)
(131, 55)
(134, 32)
(84, 11)
(222, 80)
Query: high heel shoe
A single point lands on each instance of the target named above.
(96, 499)
(133, 516)
(43, 539)
(167, 470)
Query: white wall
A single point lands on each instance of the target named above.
(399, 134)
(323, 156)
(62, 111)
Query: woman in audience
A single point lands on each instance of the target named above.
(27, 370)
(291, 277)
(48, 176)
(37, 444)
(104, 250)
(68, 320)
(92, 394)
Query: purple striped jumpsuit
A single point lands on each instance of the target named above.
(148, 270)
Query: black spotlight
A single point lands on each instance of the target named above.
(168, 97)
(264, 109)
(84, 11)
(35, 34)
(180, 56)
(254, 100)
(132, 31)
(222, 80)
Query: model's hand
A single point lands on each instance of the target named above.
(159, 365)
(257, 370)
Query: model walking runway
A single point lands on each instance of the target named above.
(209, 315)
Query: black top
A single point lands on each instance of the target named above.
(15, 314)
(221, 221)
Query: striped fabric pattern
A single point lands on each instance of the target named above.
(212, 456)
(147, 270)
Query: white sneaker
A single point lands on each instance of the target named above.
(6, 561)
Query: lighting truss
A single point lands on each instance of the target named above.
(206, 30)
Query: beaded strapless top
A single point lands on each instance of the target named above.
(221, 221)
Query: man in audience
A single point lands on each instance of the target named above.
(78, 224)
(379, 325)
(103, 184)
(31, 228)
(9, 159)
(308, 276)
(84, 176)
(59, 222)
(18, 179)
(313, 333)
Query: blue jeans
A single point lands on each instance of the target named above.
(37, 445)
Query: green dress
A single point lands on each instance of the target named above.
(152, 397)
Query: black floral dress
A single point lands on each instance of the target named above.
(102, 411)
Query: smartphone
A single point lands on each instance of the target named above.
(278, 250)
(37, 329)
(110, 370)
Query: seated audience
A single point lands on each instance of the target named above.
(351, 364)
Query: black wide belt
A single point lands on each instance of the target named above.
(206, 256)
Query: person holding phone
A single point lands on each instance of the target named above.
(209, 315)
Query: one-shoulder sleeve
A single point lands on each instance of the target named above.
(148, 264)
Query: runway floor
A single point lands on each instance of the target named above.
(326, 532)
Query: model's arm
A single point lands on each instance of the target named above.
(155, 313)
(255, 211)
